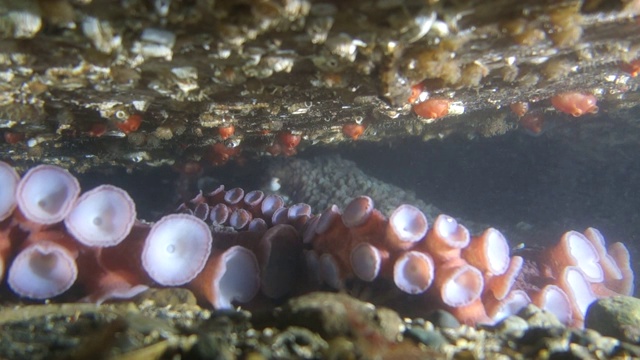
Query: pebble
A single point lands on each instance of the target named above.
(209, 346)
(297, 342)
(513, 326)
(431, 338)
(167, 297)
(317, 325)
(539, 318)
(443, 319)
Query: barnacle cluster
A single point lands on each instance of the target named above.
(77, 71)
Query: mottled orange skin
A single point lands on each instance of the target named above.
(519, 108)
(131, 124)
(353, 131)
(226, 131)
(575, 103)
(432, 108)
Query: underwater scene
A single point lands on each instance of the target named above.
(297, 179)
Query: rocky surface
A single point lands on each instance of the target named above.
(85, 83)
(167, 323)
(616, 316)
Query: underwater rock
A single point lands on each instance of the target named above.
(168, 297)
(513, 326)
(539, 318)
(617, 316)
(334, 315)
(443, 319)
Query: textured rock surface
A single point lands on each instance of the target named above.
(85, 83)
(617, 317)
(74, 74)
(146, 329)
(334, 315)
